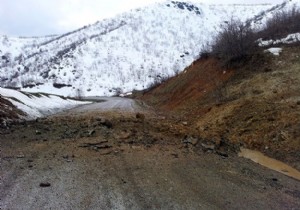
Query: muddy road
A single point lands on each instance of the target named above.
(96, 157)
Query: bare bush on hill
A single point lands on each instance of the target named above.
(235, 43)
(282, 23)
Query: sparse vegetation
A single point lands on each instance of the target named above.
(282, 23)
(156, 82)
(235, 43)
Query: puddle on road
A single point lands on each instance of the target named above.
(270, 163)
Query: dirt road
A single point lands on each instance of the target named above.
(109, 104)
(119, 160)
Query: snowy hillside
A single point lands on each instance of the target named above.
(37, 105)
(128, 52)
(259, 20)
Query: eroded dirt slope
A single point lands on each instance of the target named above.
(257, 106)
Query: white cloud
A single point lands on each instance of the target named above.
(76, 13)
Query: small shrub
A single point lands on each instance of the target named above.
(60, 85)
(206, 51)
(235, 43)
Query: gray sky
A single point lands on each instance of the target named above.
(43, 17)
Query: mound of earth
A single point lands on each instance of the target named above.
(255, 106)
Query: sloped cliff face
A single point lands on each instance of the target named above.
(128, 52)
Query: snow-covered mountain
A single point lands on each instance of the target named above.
(121, 54)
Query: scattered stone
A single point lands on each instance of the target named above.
(140, 116)
(222, 154)
(21, 156)
(37, 132)
(65, 156)
(107, 124)
(175, 155)
(283, 136)
(203, 128)
(124, 135)
(106, 152)
(136, 147)
(267, 69)
(92, 132)
(190, 140)
(29, 160)
(271, 119)
(185, 123)
(99, 119)
(274, 179)
(208, 147)
(45, 184)
(97, 146)
(93, 144)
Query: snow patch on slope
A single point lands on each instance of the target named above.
(289, 39)
(274, 50)
(38, 105)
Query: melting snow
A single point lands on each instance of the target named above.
(274, 50)
(38, 105)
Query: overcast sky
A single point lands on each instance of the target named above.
(43, 17)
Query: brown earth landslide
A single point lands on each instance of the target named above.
(117, 160)
(256, 106)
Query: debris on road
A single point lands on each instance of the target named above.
(45, 184)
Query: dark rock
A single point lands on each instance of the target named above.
(267, 69)
(107, 124)
(190, 140)
(65, 156)
(175, 155)
(37, 132)
(140, 116)
(124, 135)
(208, 147)
(45, 184)
(221, 153)
(99, 119)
